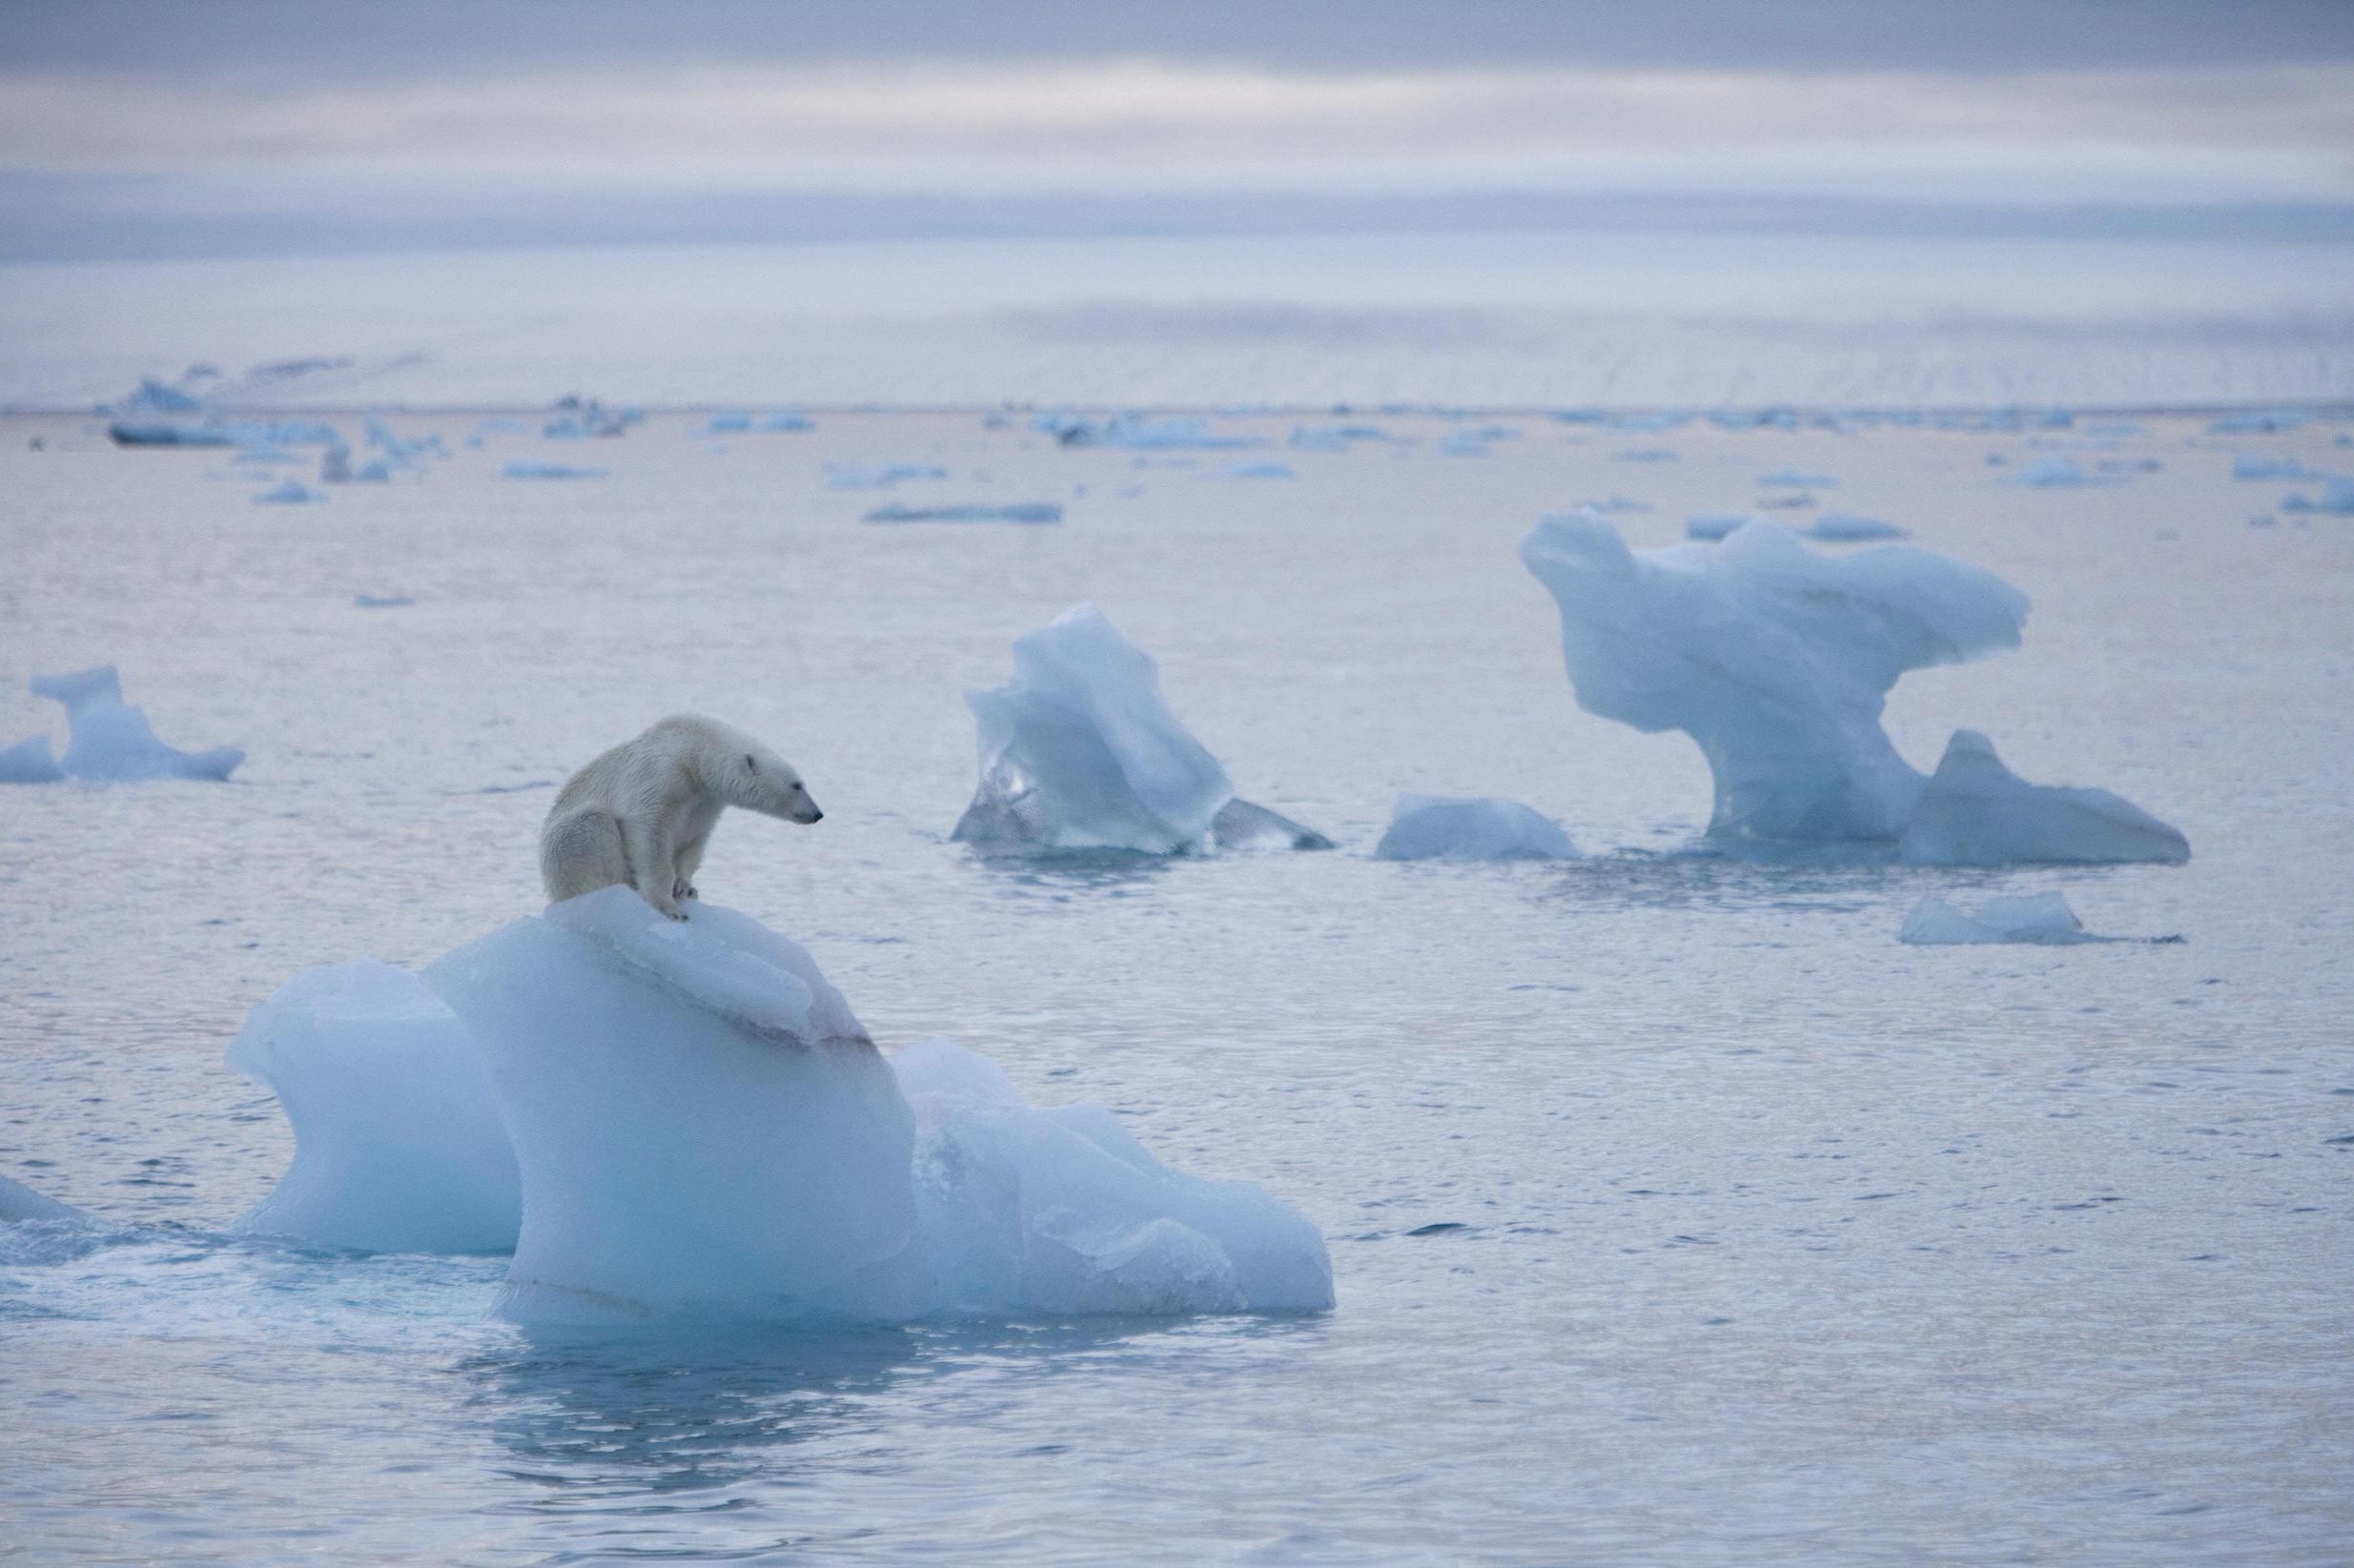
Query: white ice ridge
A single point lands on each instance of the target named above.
(1975, 811)
(1774, 658)
(2040, 918)
(695, 1125)
(1079, 751)
(1441, 828)
(109, 739)
(21, 1205)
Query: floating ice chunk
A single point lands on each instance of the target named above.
(1617, 504)
(1259, 471)
(1975, 811)
(521, 469)
(1136, 432)
(1061, 1212)
(2042, 918)
(1443, 828)
(783, 421)
(728, 424)
(382, 601)
(878, 475)
(1711, 526)
(1336, 437)
(398, 1142)
(2337, 498)
(2260, 421)
(152, 433)
(1079, 751)
(1793, 478)
(1849, 528)
(1646, 455)
(110, 740)
(2049, 473)
(1029, 512)
(21, 1205)
(2257, 465)
(289, 493)
(696, 1126)
(30, 761)
(700, 1126)
(1774, 658)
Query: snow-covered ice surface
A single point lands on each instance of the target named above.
(1456, 828)
(1678, 1213)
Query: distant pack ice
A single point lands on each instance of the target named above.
(109, 739)
(1777, 661)
(669, 1121)
(1079, 751)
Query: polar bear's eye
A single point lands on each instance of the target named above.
(751, 762)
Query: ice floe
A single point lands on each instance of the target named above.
(695, 1126)
(1136, 431)
(290, 492)
(879, 476)
(1079, 751)
(1850, 528)
(109, 739)
(524, 469)
(1027, 512)
(1450, 827)
(2336, 499)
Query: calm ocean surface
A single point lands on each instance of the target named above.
(1679, 1214)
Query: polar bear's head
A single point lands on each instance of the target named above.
(758, 779)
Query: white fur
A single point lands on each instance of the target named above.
(643, 812)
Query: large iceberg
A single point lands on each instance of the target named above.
(1079, 751)
(1774, 658)
(109, 739)
(694, 1125)
(1441, 828)
(1975, 811)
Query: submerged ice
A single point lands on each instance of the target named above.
(687, 1120)
(1079, 751)
(108, 738)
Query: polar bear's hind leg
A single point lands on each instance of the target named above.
(582, 853)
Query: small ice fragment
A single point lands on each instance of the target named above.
(2041, 918)
(289, 493)
(521, 469)
(1849, 528)
(729, 424)
(382, 601)
(2049, 472)
(1444, 827)
(1025, 512)
(783, 421)
(1258, 471)
(878, 475)
(2337, 498)
(1793, 478)
(1975, 811)
(1241, 825)
(2256, 466)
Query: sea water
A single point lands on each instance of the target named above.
(1679, 1213)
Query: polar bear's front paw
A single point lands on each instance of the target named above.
(684, 889)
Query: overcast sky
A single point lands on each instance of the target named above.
(156, 111)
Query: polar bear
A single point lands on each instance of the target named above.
(641, 813)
